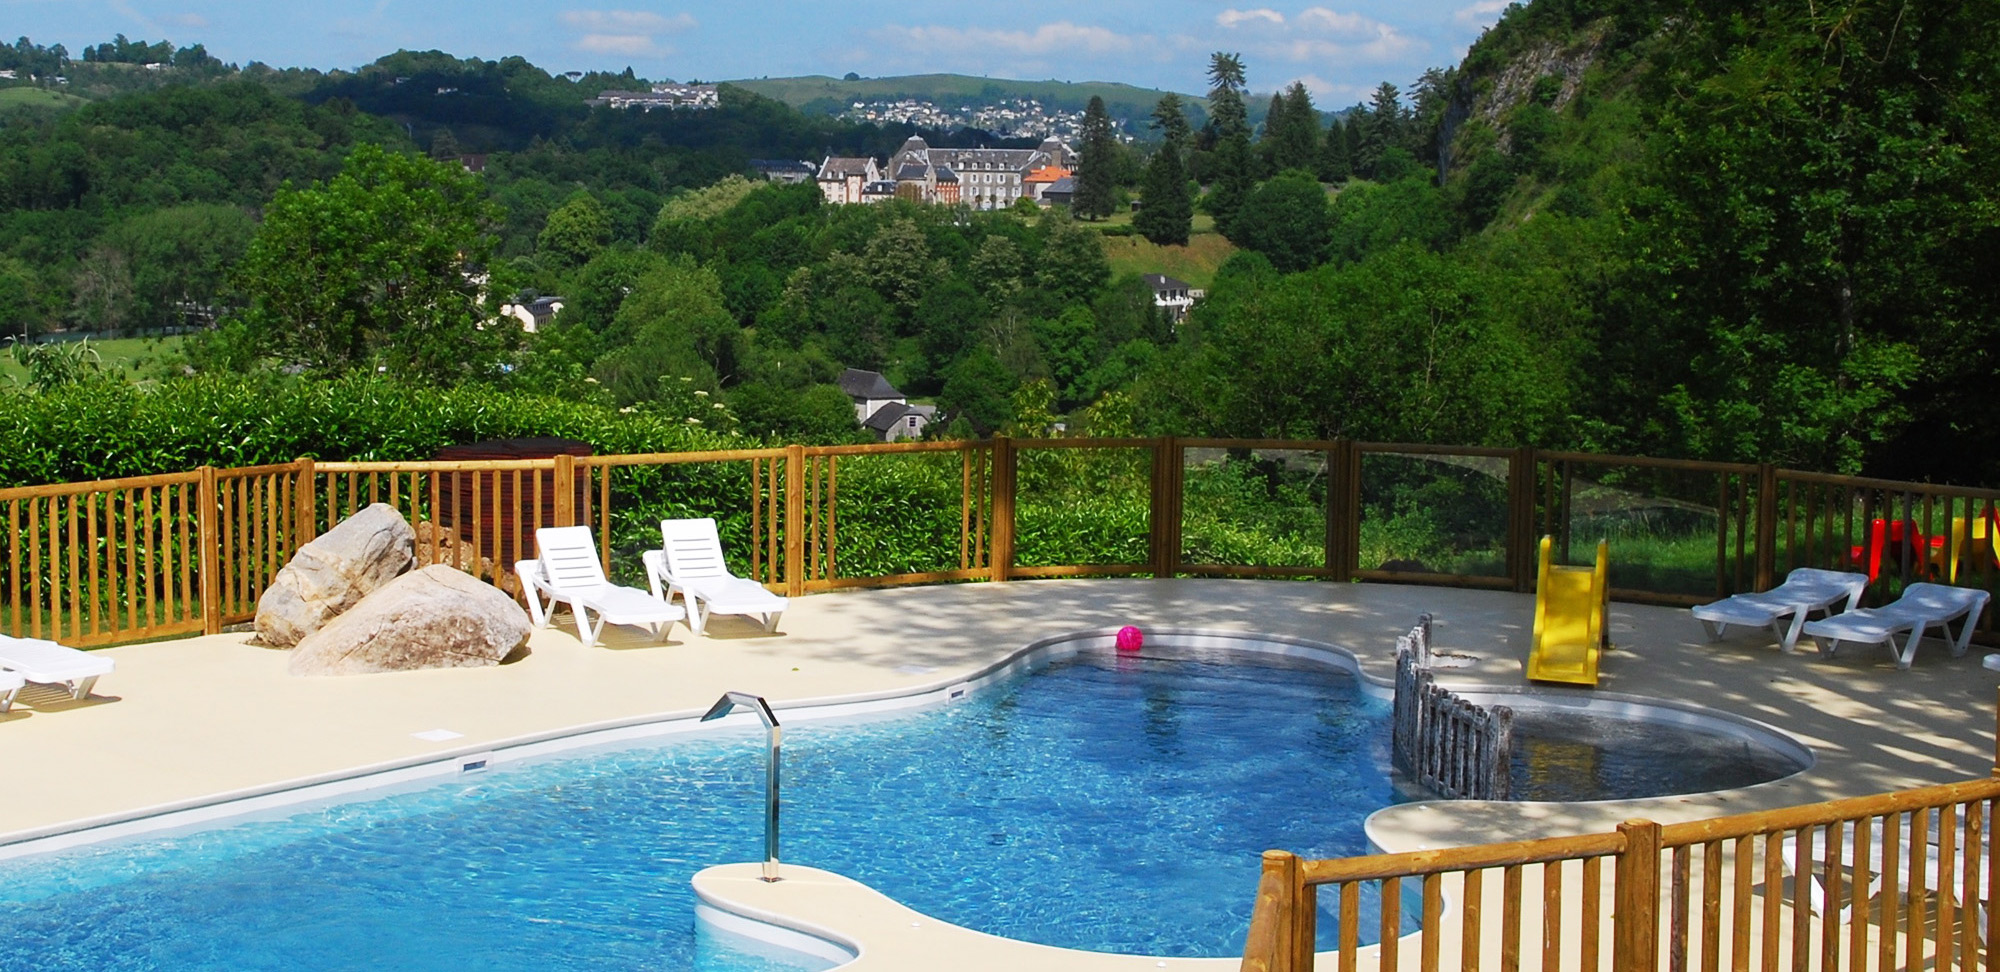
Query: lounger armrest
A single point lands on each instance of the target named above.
(657, 576)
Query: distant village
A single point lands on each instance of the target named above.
(1012, 118)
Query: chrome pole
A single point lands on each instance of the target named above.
(722, 707)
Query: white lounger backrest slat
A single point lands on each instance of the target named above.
(569, 558)
(694, 549)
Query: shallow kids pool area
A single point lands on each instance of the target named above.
(1100, 801)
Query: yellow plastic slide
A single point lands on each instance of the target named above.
(1570, 605)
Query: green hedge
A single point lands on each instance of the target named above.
(104, 430)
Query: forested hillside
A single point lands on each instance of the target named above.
(1748, 232)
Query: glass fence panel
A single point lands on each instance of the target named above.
(895, 513)
(1434, 514)
(1671, 530)
(1253, 507)
(1082, 507)
(643, 495)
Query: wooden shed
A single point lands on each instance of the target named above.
(498, 510)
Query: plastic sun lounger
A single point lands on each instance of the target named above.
(10, 686)
(1921, 606)
(1805, 591)
(691, 565)
(567, 571)
(49, 663)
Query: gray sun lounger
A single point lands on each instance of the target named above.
(1921, 606)
(1806, 591)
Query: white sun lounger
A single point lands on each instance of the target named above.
(691, 565)
(1921, 606)
(1805, 591)
(566, 571)
(49, 663)
(10, 686)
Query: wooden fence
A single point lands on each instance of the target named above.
(1895, 881)
(157, 556)
(1440, 741)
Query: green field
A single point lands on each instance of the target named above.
(24, 97)
(126, 356)
(1121, 100)
(1195, 263)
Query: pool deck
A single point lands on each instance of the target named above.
(182, 723)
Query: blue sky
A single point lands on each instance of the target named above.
(1340, 48)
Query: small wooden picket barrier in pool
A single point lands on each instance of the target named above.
(1892, 881)
(1441, 741)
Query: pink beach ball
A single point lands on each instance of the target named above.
(1130, 638)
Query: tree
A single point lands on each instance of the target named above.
(682, 333)
(575, 232)
(1267, 145)
(978, 390)
(1166, 216)
(380, 263)
(1232, 175)
(1381, 129)
(1334, 163)
(1286, 220)
(180, 259)
(1096, 172)
(1294, 137)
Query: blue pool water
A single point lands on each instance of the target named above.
(1106, 803)
(1103, 803)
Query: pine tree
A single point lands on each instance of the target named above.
(1334, 163)
(1381, 129)
(1298, 135)
(1231, 160)
(1096, 175)
(1168, 212)
(1270, 144)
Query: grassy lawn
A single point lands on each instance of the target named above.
(1195, 263)
(36, 98)
(122, 355)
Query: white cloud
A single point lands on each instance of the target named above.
(193, 21)
(633, 45)
(628, 21)
(1233, 18)
(1061, 37)
(1317, 34)
(629, 33)
(1481, 12)
(1329, 94)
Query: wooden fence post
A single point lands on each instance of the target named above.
(1166, 507)
(211, 555)
(1521, 540)
(1767, 525)
(1002, 545)
(306, 504)
(1272, 942)
(1343, 512)
(565, 487)
(795, 520)
(1636, 916)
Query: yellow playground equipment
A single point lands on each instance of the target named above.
(1570, 609)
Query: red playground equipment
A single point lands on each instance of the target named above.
(1899, 543)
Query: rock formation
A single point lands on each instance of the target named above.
(333, 573)
(437, 617)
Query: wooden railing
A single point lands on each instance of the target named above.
(1895, 881)
(156, 556)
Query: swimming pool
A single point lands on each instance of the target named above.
(1105, 802)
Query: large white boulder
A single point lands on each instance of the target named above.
(437, 617)
(333, 573)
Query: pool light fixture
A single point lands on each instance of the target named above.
(729, 702)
